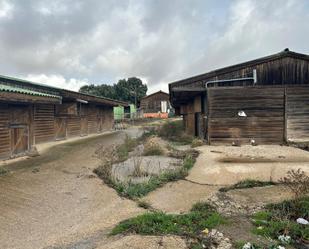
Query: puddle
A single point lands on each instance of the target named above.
(281, 159)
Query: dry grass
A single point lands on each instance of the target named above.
(152, 147)
(196, 142)
(297, 181)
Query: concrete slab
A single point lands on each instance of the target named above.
(225, 165)
(142, 242)
(178, 197)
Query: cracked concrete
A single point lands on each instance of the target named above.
(226, 165)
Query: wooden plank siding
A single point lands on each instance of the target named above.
(279, 69)
(93, 119)
(24, 125)
(152, 102)
(297, 113)
(5, 135)
(264, 108)
(73, 126)
(44, 123)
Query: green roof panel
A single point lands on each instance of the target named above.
(15, 89)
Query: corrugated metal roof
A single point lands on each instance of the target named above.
(15, 89)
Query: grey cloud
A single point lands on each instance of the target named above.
(160, 41)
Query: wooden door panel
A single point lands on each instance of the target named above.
(19, 139)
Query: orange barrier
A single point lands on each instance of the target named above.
(156, 115)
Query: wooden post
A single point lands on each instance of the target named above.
(285, 109)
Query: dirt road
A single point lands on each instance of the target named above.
(55, 199)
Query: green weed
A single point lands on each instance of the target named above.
(159, 223)
(247, 184)
(280, 219)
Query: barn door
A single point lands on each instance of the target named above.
(84, 126)
(60, 128)
(19, 124)
(100, 126)
(19, 139)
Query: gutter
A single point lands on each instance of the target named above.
(254, 78)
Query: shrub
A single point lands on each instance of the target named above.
(130, 143)
(172, 129)
(297, 181)
(152, 148)
(196, 143)
(3, 171)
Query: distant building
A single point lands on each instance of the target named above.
(265, 100)
(124, 112)
(156, 105)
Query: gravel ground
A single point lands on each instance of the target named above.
(56, 199)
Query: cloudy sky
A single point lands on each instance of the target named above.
(69, 43)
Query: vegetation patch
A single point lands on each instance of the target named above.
(158, 223)
(174, 132)
(297, 182)
(3, 171)
(279, 221)
(247, 184)
(133, 190)
(153, 148)
(144, 204)
(137, 190)
(196, 142)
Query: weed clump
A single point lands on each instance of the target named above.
(280, 220)
(144, 204)
(137, 190)
(159, 223)
(3, 171)
(153, 148)
(174, 132)
(297, 181)
(247, 184)
(196, 143)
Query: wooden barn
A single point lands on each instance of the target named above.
(155, 105)
(33, 113)
(264, 100)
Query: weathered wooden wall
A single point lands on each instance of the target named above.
(24, 125)
(5, 136)
(279, 71)
(93, 119)
(152, 103)
(297, 114)
(44, 123)
(264, 107)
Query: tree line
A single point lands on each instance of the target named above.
(130, 90)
